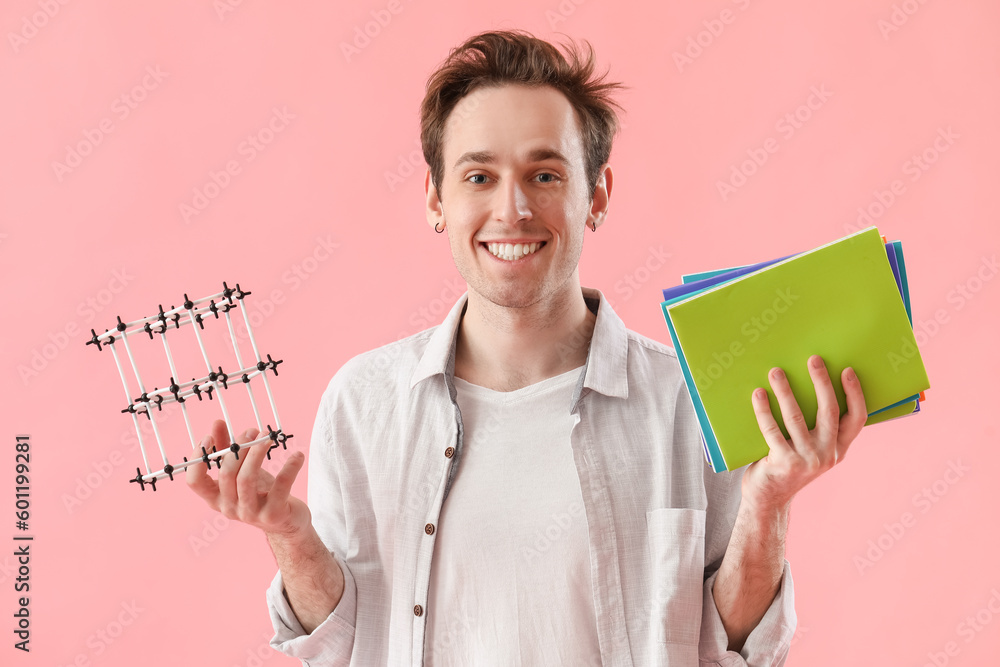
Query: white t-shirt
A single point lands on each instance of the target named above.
(510, 580)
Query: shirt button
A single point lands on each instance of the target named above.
(429, 529)
(450, 452)
(418, 610)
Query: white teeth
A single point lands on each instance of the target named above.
(514, 251)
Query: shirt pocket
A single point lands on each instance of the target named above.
(677, 570)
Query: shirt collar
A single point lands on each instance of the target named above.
(605, 369)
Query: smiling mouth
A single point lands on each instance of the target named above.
(512, 252)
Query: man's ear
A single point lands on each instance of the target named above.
(435, 211)
(602, 197)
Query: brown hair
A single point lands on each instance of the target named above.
(515, 56)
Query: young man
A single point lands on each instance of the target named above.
(524, 484)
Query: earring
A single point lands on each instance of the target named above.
(436, 228)
(593, 225)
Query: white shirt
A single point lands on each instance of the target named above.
(510, 579)
(384, 453)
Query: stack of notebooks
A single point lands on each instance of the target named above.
(846, 301)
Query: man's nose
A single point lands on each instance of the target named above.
(513, 203)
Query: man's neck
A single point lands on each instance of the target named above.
(506, 349)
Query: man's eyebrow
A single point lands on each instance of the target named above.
(489, 157)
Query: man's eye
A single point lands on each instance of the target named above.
(478, 176)
(552, 178)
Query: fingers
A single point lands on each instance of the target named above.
(282, 487)
(244, 491)
(198, 479)
(768, 426)
(231, 466)
(247, 479)
(795, 422)
(857, 412)
(827, 407)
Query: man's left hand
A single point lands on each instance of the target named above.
(770, 483)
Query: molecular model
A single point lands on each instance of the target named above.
(193, 312)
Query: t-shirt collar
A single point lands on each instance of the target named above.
(605, 369)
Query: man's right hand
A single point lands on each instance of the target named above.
(313, 580)
(244, 491)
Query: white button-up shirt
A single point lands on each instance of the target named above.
(385, 448)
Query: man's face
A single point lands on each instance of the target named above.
(514, 179)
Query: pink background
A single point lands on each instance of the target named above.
(340, 260)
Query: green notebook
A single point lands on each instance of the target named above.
(840, 301)
(894, 250)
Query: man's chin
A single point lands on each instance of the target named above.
(509, 297)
